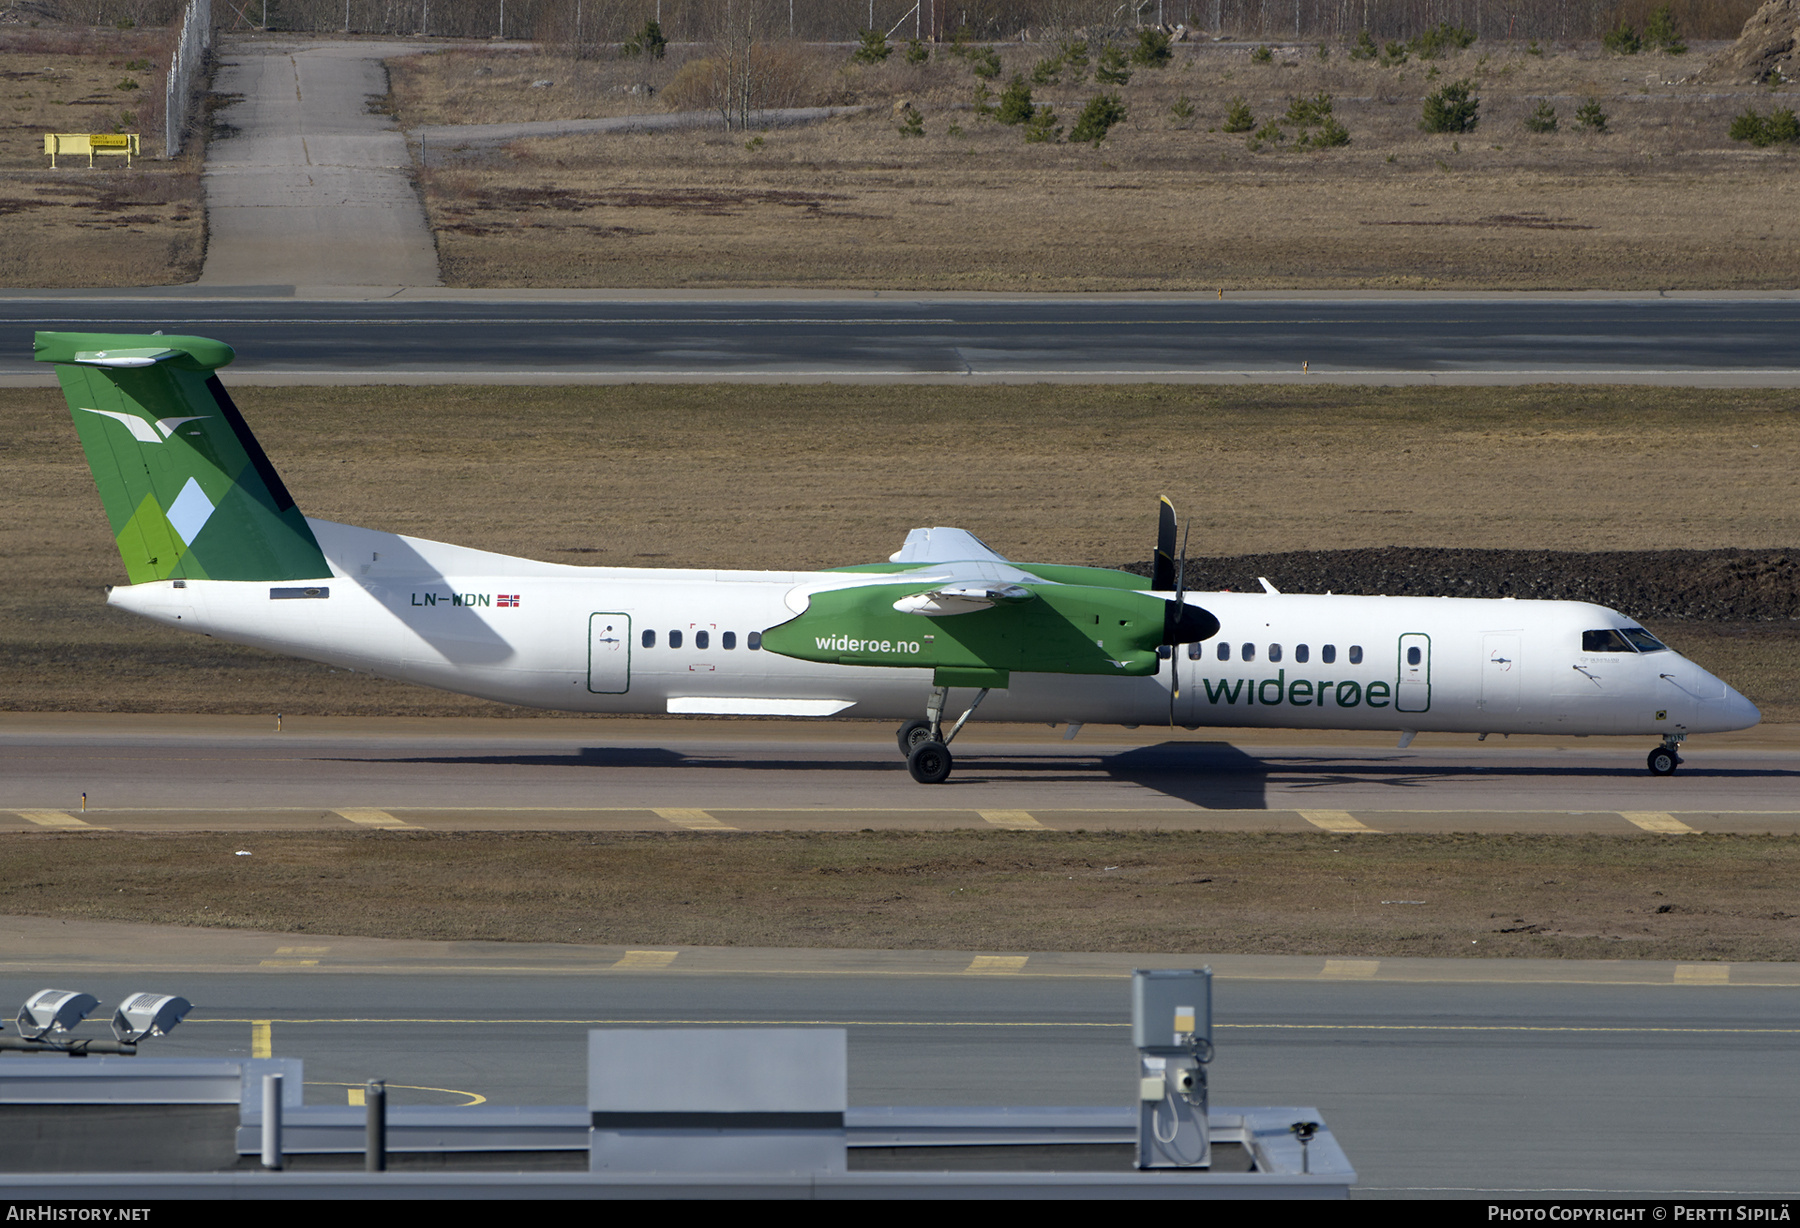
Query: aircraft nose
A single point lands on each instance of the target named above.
(1740, 712)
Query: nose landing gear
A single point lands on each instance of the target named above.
(925, 744)
(1663, 760)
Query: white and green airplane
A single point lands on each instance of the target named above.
(213, 542)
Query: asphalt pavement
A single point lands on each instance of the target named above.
(1441, 1078)
(502, 337)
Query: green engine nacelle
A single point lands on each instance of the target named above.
(1059, 629)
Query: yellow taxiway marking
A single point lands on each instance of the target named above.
(993, 965)
(57, 818)
(262, 1044)
(1335, 820)
(1350, 969)
(294, 957)
(693, 820)
(369, 817)
(1703, 974)
(647, 959)
(358, 1092)
(1012, 820)
(1657, 820)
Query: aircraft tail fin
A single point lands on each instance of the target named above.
(188, 491)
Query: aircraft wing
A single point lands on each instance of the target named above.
(944, 545)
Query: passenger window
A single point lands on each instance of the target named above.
(1224, 651)
(1605, 640)
(1356, 654)
(649, 639)
(1301, 653)
(701, 639)
(753, 641)
(1274, 652)
(1328, 653)
(674, 639)
(1247, 652)
(1193, 652)
(728, 640)
(1412, 656)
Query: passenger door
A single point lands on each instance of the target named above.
(609, 653)
(1412, 693)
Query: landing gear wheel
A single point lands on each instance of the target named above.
(912, 734)
(929, 763)
(1663, 761)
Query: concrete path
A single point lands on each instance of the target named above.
(312, 189)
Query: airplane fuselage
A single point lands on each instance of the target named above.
(621, 640)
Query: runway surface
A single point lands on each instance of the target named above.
(239, 773)
(502, 337)
(1439, 1077)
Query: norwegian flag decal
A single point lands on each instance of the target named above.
(507, 599)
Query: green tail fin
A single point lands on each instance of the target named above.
(187, 489)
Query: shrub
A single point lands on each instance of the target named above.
(1271, 133)
(1622, 39)
(1043, 128)
(1364, 47)
(912, 123)
(1591, 117)
(1441, 38)
(1779, 126)
(1541, 120)
(648, 41)
(1393, 54)
(1152, 50)
(1660, 31)
(1047, 71)
(1101, 114)
(984, 99)
(1262, 55)
(1239, 119)
(1015, 102)
(984, 62)
(916, 51)
(1182, 109)
(1452, 109)
(1532, 48)
(1073, 53)
(1330, 135)
(1306, 112)
(874, 48)
(1112, 70)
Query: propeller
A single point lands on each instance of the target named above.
(1182, 623)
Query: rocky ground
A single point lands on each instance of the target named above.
(1687, 585)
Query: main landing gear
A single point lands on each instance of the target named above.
(1663, 760)
(926, 745)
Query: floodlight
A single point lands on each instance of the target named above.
(148, 1014)
(50, 1010)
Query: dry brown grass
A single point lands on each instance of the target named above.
(811, 476)
(1662, 200)
(108, 226)
(1585, 897)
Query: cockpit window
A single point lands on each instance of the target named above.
(1642, 640)
(1605, 640)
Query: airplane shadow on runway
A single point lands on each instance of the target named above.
(1214, 775)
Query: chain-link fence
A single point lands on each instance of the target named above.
(187, 61)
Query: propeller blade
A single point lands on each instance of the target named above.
(1162, 567)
